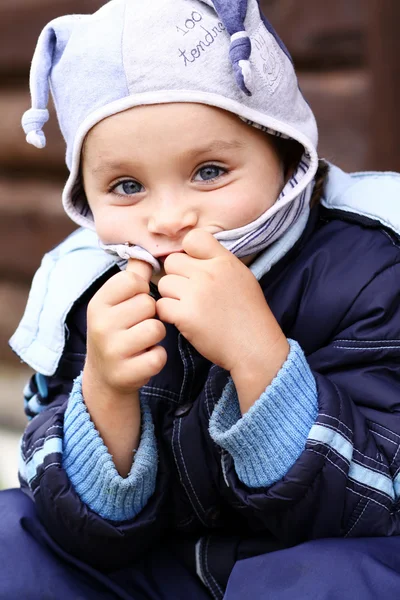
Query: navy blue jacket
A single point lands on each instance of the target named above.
(337, 292)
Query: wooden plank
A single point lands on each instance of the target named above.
(15, 152)
(21, 22)
(321, 34)
(341, 103)
(32, 222)
(384, 52)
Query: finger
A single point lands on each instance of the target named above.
(173, 286)
(147, 365)
(141, 337)
(141, 268)
(119, 288)
(180, 264)
(169, 310)
(133, 311)
(201, 244)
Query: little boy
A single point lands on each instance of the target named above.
(231, 393)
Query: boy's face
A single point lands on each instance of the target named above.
(153, 173)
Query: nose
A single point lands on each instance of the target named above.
(172, 219)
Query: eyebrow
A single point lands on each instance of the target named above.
(215, 146)
(109, 167)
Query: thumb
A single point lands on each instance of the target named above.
(199, 243)
(141, 268)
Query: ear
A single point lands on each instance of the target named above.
(51, 44)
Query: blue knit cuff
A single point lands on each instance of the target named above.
(269, 438)
(91, 469)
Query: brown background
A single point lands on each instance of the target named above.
(338, 48)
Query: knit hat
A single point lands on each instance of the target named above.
(222, 53)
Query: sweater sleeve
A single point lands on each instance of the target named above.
(91, 469)
(346, 481)
(266, 441)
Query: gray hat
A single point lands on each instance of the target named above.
(222, 53)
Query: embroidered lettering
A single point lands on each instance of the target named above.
(196, 16)
(190, 56)
(218, 29)
(190, 23)
(195, 53)
(185, 58)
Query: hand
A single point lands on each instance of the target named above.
(123, 333)
(217, 304)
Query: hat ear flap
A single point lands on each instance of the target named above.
(50, 46)
(233, 15)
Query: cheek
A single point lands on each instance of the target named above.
(255, 205)
(243, 206)
(115, 225)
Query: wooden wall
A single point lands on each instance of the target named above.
(328, 41)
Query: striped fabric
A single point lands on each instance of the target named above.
(275, 221)
(35, 396)
(365, 475)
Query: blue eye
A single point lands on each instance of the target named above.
(128, 188)
(209, 173)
